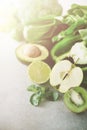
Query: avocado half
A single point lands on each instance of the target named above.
(72, 106)
(27, 53)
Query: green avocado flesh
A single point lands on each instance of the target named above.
(31, 52)
(77, 108)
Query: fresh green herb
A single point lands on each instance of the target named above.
(34, 88)
(35, 99)
(40, 93)
(52, 95)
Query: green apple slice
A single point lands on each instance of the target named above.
(59, 71)
(73, 79)
(65, 75)
(79, 53)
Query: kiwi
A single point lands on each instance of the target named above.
(76, 99)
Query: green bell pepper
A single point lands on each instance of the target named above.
(64, 46)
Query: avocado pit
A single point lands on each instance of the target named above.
(32, 51)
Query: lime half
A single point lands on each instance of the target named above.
(39, 72)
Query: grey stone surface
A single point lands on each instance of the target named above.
(16, 113)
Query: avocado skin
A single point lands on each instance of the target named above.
(71, 106)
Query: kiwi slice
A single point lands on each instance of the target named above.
(76, 99)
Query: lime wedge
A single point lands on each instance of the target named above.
(39, 72)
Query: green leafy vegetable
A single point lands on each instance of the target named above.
(52, 95)
(32, 10)
(38, 31)
(34, 88)
(75, 13)
(35, 99)
(77, 9)
(40, 93)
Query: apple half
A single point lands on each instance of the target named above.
(65, 75)
(79, 53)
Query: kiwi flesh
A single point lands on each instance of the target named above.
(74, 103)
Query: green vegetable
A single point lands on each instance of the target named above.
(36, 88)
(83, 33)
(31, 10)
(64, 56)
(37, 32)
(70, 19)
(52, 95)
(77, 9)
(71, 30)
(33, 88)
(74, 26)
(64, 46)
(41, 93)
(84, 69)
(35, 99)
(38, 94)
(67, 38)
(84, 82)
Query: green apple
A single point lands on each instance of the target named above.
(65, 75)
(79, 53)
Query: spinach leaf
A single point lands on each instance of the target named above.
(52, 95)
(33, 88)
(35, 99)
(38, 94)
(41, 92)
